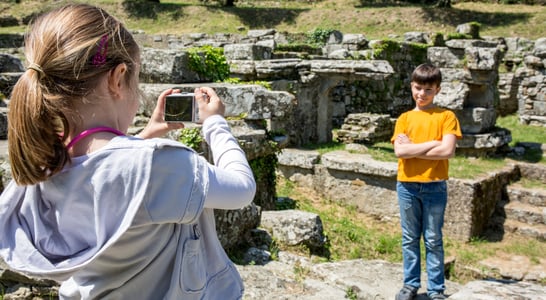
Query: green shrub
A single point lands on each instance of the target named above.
(209, 62)
(319, 36)
(192, 138)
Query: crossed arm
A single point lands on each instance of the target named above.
(433, 150)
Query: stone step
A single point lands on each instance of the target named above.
(537, 231)
(525, 213)
(525, 195)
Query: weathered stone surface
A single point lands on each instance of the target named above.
(353, 69)
(3, 123)
(518, 47)
(483, 141)
(500, 290)
(470, 43)
(366, 128)
(261, 33)
(444, 57)
(531, 95)
(540, 48)
(10, 64)
(358, 163)
(277, 69)
(471, 29)
(354, 41)
(452, 95)
(247, 52)
(508, 92)
(243, 69)
(162, 65)
(482, 58)
(11, 40)
(417, 37)
(234, 226)
(476, 120)
(472, 202)
(253, 102)
(294, 227)
(533, 171)
(298, 157)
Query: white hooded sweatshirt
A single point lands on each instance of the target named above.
(133, 220)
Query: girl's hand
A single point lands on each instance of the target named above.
(209, 103)
(157, 127)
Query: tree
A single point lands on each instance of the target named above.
(223, 2)
(443, 3)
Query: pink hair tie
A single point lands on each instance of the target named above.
(100, 57)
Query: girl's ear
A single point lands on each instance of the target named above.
(438, 90)
(116, 78)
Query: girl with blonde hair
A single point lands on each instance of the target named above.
(109, 215)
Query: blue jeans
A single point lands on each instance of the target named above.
(422, 207)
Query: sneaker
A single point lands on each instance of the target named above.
(437, 296)
(407, 293)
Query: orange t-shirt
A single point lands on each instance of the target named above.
(423, 126)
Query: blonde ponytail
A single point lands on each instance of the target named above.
(63, 68)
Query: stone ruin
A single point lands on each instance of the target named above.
(351, 83)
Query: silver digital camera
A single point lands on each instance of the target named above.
(181, 107)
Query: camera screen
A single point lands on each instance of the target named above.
(178, 108)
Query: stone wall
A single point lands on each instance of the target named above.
(370, 186)
(312, 93)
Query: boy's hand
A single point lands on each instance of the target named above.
(157, 127)
(403, 139)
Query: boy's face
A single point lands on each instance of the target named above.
(423, 94)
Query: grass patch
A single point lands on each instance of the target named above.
(355, 235)
(522, 133)
(377, 20)
(349, 233)
(325, 147)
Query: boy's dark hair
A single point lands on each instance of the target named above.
(426, 74)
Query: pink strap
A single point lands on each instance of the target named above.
(92, 131)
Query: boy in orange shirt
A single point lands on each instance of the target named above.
(424, 139)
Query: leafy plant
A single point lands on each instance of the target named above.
(385, 48)
(192, 138)
(209, 62)
(319, 36)
(351, 294)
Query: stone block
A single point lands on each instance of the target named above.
(489, 141)
(477, 119)
(10, 64)
(444, 57)
(247, 52)
(358, 163)
(452, 95)
(479, 58)
(471, 29)
(540, 48)
(417, 37)
(277, 69)
(305, 159)
(470, 43)
(472, 202)
(295, 227)
(166, 65)
(243, 69)
(482, 95)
